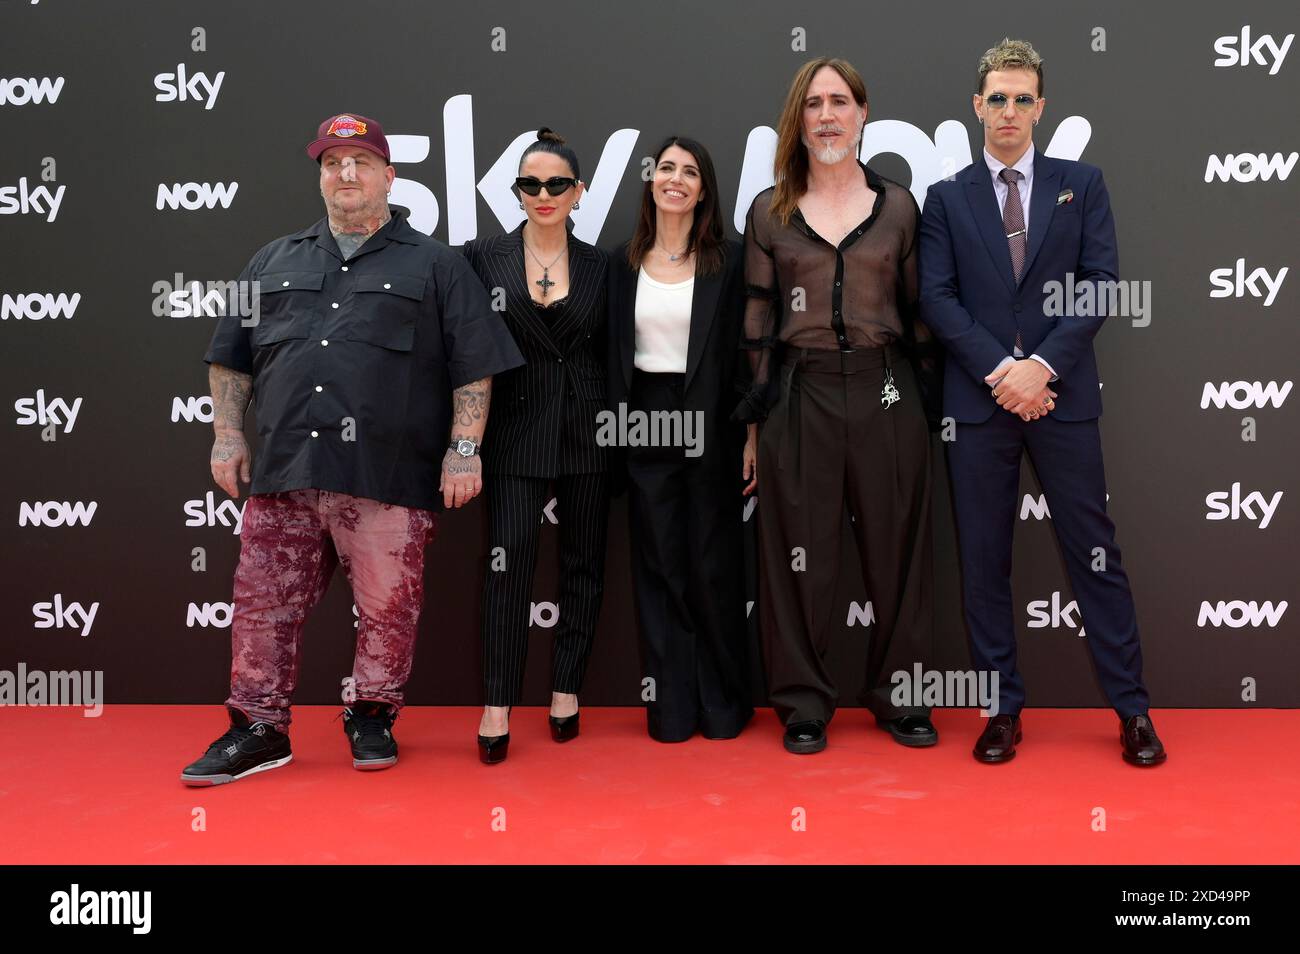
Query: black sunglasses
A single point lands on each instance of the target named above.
(556, 185)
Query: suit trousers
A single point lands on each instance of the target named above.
(985, 465)
(827, 442)
(515, 511)
(688, 565)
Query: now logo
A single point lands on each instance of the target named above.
(543, 614)
(209, 614)
(1054, 614)
(860, 614)
(55, 614)
(1238, 613)
(192, 409)
(195, 195)
(1240, 395)
(1248, 166)
(19, 91)
(204, 512)
(56, 513)
(34, 306)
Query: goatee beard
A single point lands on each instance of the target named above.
(829, 155)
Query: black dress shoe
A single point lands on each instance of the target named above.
(564, 729)
(1141, 744)
(914, 731)
(997, 743)
(804, 738)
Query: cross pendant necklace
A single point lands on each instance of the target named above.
(545, 281)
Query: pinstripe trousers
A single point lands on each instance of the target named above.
(515, 506)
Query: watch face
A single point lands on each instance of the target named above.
(465, 448)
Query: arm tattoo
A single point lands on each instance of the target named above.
(231, 392)
(470, 409)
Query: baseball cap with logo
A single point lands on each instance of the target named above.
(350, 129)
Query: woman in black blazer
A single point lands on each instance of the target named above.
(676, 303)
(542, 431)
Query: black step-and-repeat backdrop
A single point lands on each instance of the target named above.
(151, 148)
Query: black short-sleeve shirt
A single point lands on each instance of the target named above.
(354, 360)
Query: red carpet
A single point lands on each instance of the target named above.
(105, 791)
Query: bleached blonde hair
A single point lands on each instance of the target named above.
(1011, 55)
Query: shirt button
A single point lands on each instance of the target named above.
(386, 285)
(324, 342)
(837, 284)
(319, 388)
(314, 434)
(561, 360)
(284, 284)
(334, 304)
(345, 268)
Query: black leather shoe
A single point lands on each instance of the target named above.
(913, 731)
(1141, 744)
(494, 748)
(564, 729)
(997, 743)
(804, 738)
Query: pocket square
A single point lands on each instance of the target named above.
(1067, 195)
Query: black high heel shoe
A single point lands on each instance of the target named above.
(494, 748)
(564, 729)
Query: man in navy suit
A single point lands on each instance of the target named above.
(994, 240)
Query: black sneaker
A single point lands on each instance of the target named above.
(368, 726)
(243, 750)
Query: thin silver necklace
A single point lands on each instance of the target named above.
(545, 280)
(671, 257)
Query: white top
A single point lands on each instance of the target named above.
(663, 324)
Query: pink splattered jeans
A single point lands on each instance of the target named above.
(285, 563)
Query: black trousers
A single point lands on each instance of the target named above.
(515, 506)
(688, 565)
(828, 442)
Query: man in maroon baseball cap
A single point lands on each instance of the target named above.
(350, 129)
(375, 344)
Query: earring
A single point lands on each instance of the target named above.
(575, 206)
(1035, 122)
(521, 205)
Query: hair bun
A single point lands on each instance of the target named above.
(549, 135)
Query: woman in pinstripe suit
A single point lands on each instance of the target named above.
(542, 431)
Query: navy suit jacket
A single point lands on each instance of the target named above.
(974, 306)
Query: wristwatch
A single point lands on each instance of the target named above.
(464, 447)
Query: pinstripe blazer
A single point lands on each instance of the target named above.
(542, 419)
